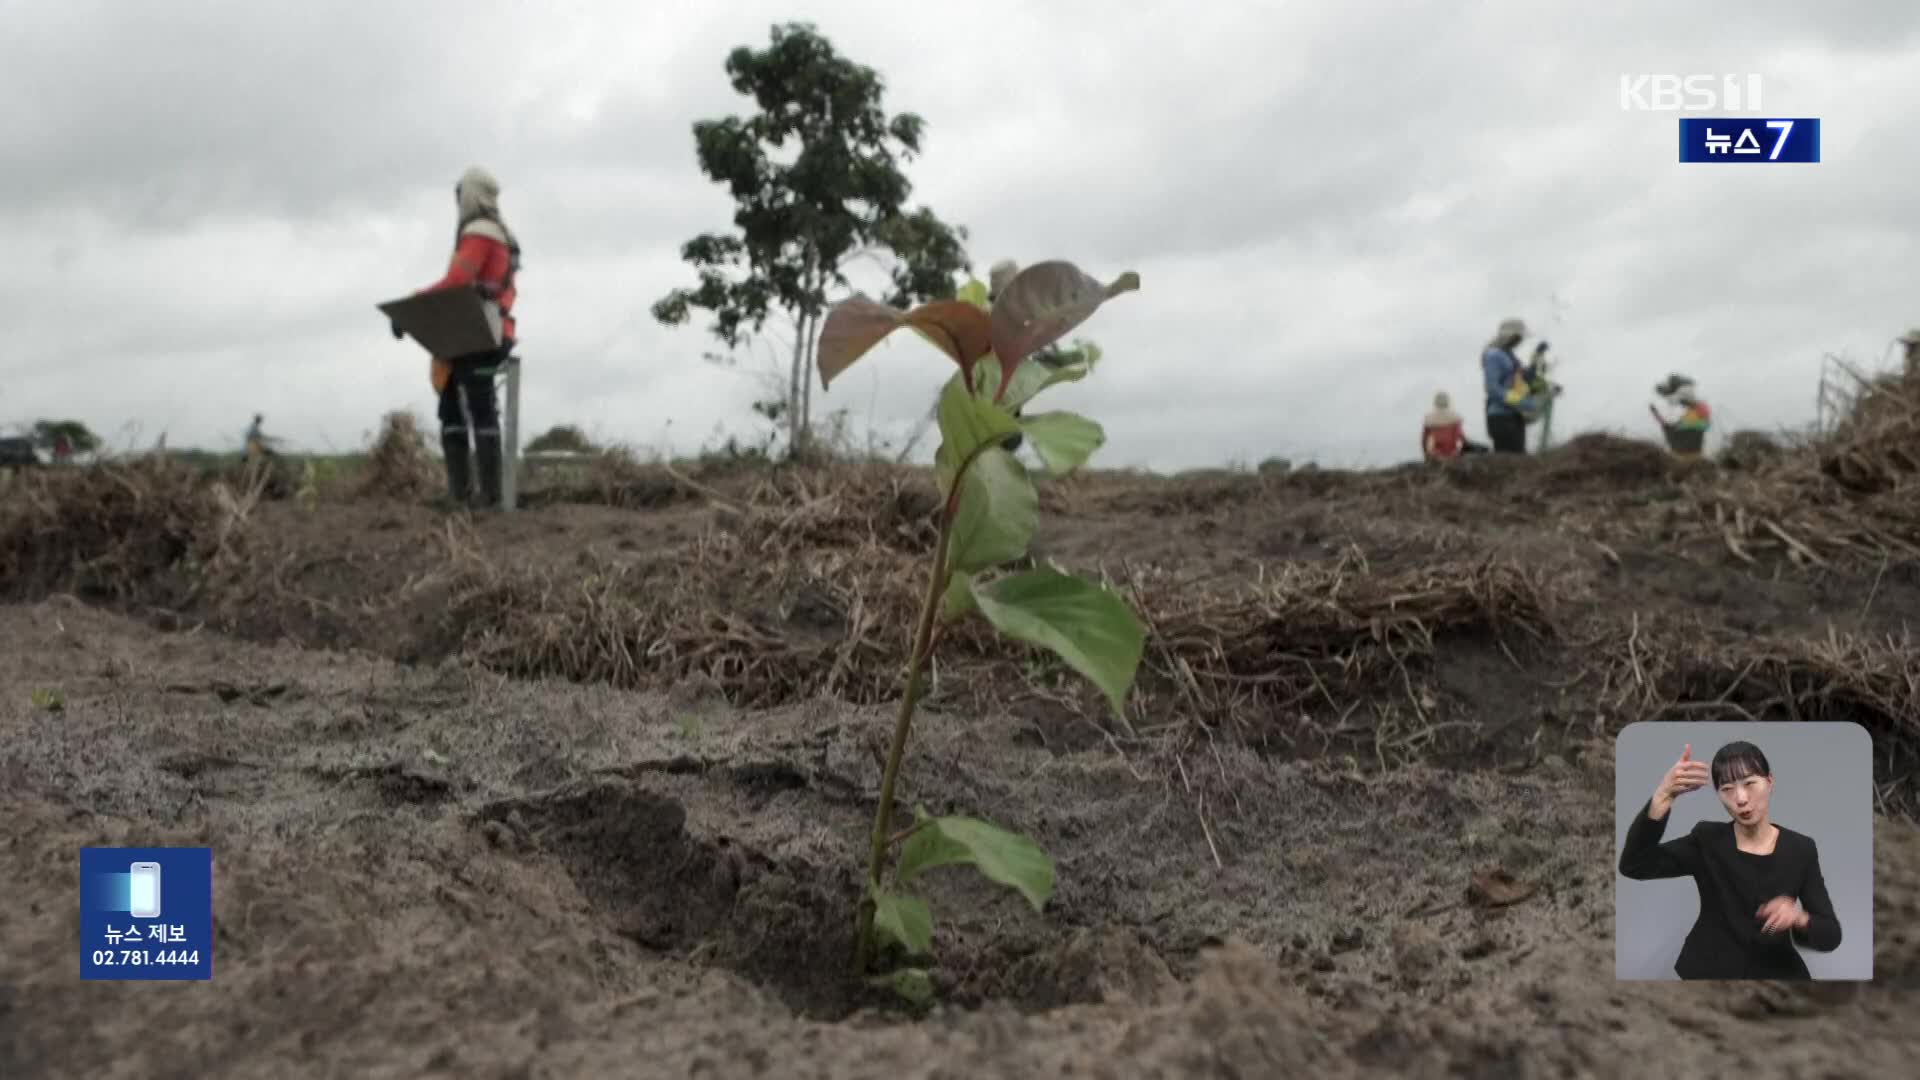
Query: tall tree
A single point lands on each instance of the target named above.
(81, 438)
(801, 222)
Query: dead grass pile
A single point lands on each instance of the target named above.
(106, 532)
(860, 505)
(1314, 636)
(1749, 450)
(1875, 447)
(1794, 510)
(1602, 460)
(766, 626)
(1591, 463)
(399, 466)
(1847, 496)
(770, 614)
(615, 477)
(1843, 499)
(1681, 674)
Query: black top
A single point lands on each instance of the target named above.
(1726, 942)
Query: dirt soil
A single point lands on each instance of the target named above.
(584, 790)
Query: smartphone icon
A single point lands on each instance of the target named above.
(143, 893)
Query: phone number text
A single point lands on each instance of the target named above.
(140, 957)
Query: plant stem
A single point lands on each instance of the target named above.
(883, 818)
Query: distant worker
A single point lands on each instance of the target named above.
(1501, 372)
(1687, 433)
(1515, 391)
(486, 256)
(1443, 435)
(257, 442)
(1911, 342)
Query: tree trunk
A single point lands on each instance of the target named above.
(808, 326)
(794, 375)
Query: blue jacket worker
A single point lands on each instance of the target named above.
(1510, 400)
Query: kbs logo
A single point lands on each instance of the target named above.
(1674, 93)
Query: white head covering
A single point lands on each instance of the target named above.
(1442, 414)
(479, 196)
(1510, 333)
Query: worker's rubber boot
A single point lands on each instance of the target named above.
(487, 450)
(459, 469)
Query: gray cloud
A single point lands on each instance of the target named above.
(1330, 209)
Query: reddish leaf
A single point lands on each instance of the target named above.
(956, 327)
(852, 328)
(1042, 304)
(857, 324)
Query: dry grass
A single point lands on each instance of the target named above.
(1259, 657)
(399, 465)
(1678, 672)
(808, 578)
(1848, 494)
(109, 532)
(814, 583)
(1844, 499)
(1876, 447)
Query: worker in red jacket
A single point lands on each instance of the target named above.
(486, 256)
(1443, 434)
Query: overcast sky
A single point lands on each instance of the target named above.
(1330, 206)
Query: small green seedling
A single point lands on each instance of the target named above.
(988, 516)
(49, 700)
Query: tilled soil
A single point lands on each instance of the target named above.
(427, 864)
(435, 871)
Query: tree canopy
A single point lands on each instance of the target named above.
(47, 433)
(817, 182)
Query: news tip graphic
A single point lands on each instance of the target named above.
(146, 913)
(1777, 141)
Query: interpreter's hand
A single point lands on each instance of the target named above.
(1779, 914)
(1686, 775)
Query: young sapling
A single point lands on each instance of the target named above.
(988, 515)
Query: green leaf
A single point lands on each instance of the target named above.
(913, 984)
(945, 466)
(1029, 379)
(998, 513)
(1046, 301)
(986, 379)
(974, 292)
(1088, 626)
(1002, 857)
(968, 422)
(904, 920)
(50, 700)
(1063, 440)
(958, 602)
